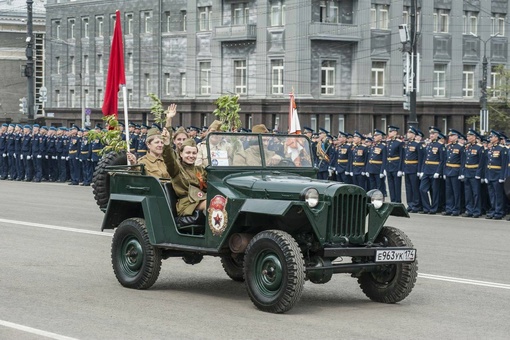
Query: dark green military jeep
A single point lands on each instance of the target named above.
(271, 223)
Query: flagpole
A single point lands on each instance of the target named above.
(126, 120)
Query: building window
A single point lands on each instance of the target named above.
(99, 63)
(377, 81)
(498, 24)
(147, 16)
(441, 20)
(85, 27)
(57, 29)
(72, 66)
(71, 98)
(205, 77)
(277, 13)
(313, 123)
(57, 98)
(113, 19)
(147, 83)
(327, 122)
(329, 11)
(57, 67)
(240, 77)
(341, 123)
(468, 81)
(183, 21)
(99, 97)
(130, 97)
(99, 26)
(86, 64)
(328, 77)
(240, 13)
(183, 83)
(204, 18)
(496, 83)
(86, 98)
(439, 80)
(470, 23)
(379, 17)
(277, 76)
(168, 22)
(71, 28)
(130, 62)
(168, 85)
(129, 24)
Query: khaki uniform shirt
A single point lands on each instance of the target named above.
(154, 166)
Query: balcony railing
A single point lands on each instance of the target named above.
(237, 32)
(328, 31)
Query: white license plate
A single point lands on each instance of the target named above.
(407, 255)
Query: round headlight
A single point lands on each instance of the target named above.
(311, 197)
(376, 197)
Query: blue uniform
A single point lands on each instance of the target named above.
(11, 156)
(62, 153)
(4, 164)
(26, 156)
(141, 149)
(431, 166)
(394, 168)
(452, 171)
(495, 173)
(412, 155)
(325, 153)
(20, 171)
(85, 161)
(376, 166)
(74, 162)
(37, 155)
(472, 171)
(51, 152)
(342, 154)
(359, 154)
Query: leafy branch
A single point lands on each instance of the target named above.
(157, 109)
(228, 112)
(111, 138)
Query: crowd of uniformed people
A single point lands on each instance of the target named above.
(451, 174)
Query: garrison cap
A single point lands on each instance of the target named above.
(27, 127)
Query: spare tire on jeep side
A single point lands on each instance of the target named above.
(101, 178)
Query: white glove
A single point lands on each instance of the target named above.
(363, 174)
(62, 158)
(436, 175)
(67, 158)
(400, 173)
(477, 177)
(4, 155)
(29, 157)
(352, 174)
(46, 157)
(382, 175)
(367, 174)
(20, 156)
(461, 177)
(385, 173)
(420, 175)
(80, 160)
(485, 180)
(14, 155)
(444, 176)
(330, 171)
(501, 181)
(40, 156)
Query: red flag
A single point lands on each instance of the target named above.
(116, 75)
(294, 126)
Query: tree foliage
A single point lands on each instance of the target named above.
(157, 109)
(227, 112)
(111, 138)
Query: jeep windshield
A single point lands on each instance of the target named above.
(258, 150)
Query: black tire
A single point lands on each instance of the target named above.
(233, 264)
(136, 263)
(394, 282)
(274, 271)
(101, 178)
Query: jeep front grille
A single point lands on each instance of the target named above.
(349, 216)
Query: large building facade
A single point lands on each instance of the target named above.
(13, 34)
(342, 58)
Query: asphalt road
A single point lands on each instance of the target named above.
(56, 281)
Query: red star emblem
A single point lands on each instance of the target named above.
(217, 220)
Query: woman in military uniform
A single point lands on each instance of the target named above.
(153, 161)
(188, 180)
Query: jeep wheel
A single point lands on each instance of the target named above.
(391, 283)
(233, 265)
(274, 271)
(136, 263)
(101, 178)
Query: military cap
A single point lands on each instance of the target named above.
(122, 124)
(357, 134)
(412, 130)
(153, 132)
(98, 126)
(350, 135)
(193, 128)
(36, 125)
(495, 134)
(441, 136)
(433, 129)
(420, 133)
(27, 127)
(62, 128)
(341, 133)
(330, 137)
(5, 124)
(19, 125)
(52, 128)
(244, 130)
(322, 130)
(87, 129)
(315, 135)
(454, 132)
(307, 129)
(137, 126)
(474, 133)
(154, 125)
(44, 128)
(393, 128)
(260, 128)
(503, 135)
(144, 126)
(12, 125)
(369, 139)
(74, 127)
(204, 128)
(131, 124)
(379, 132)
